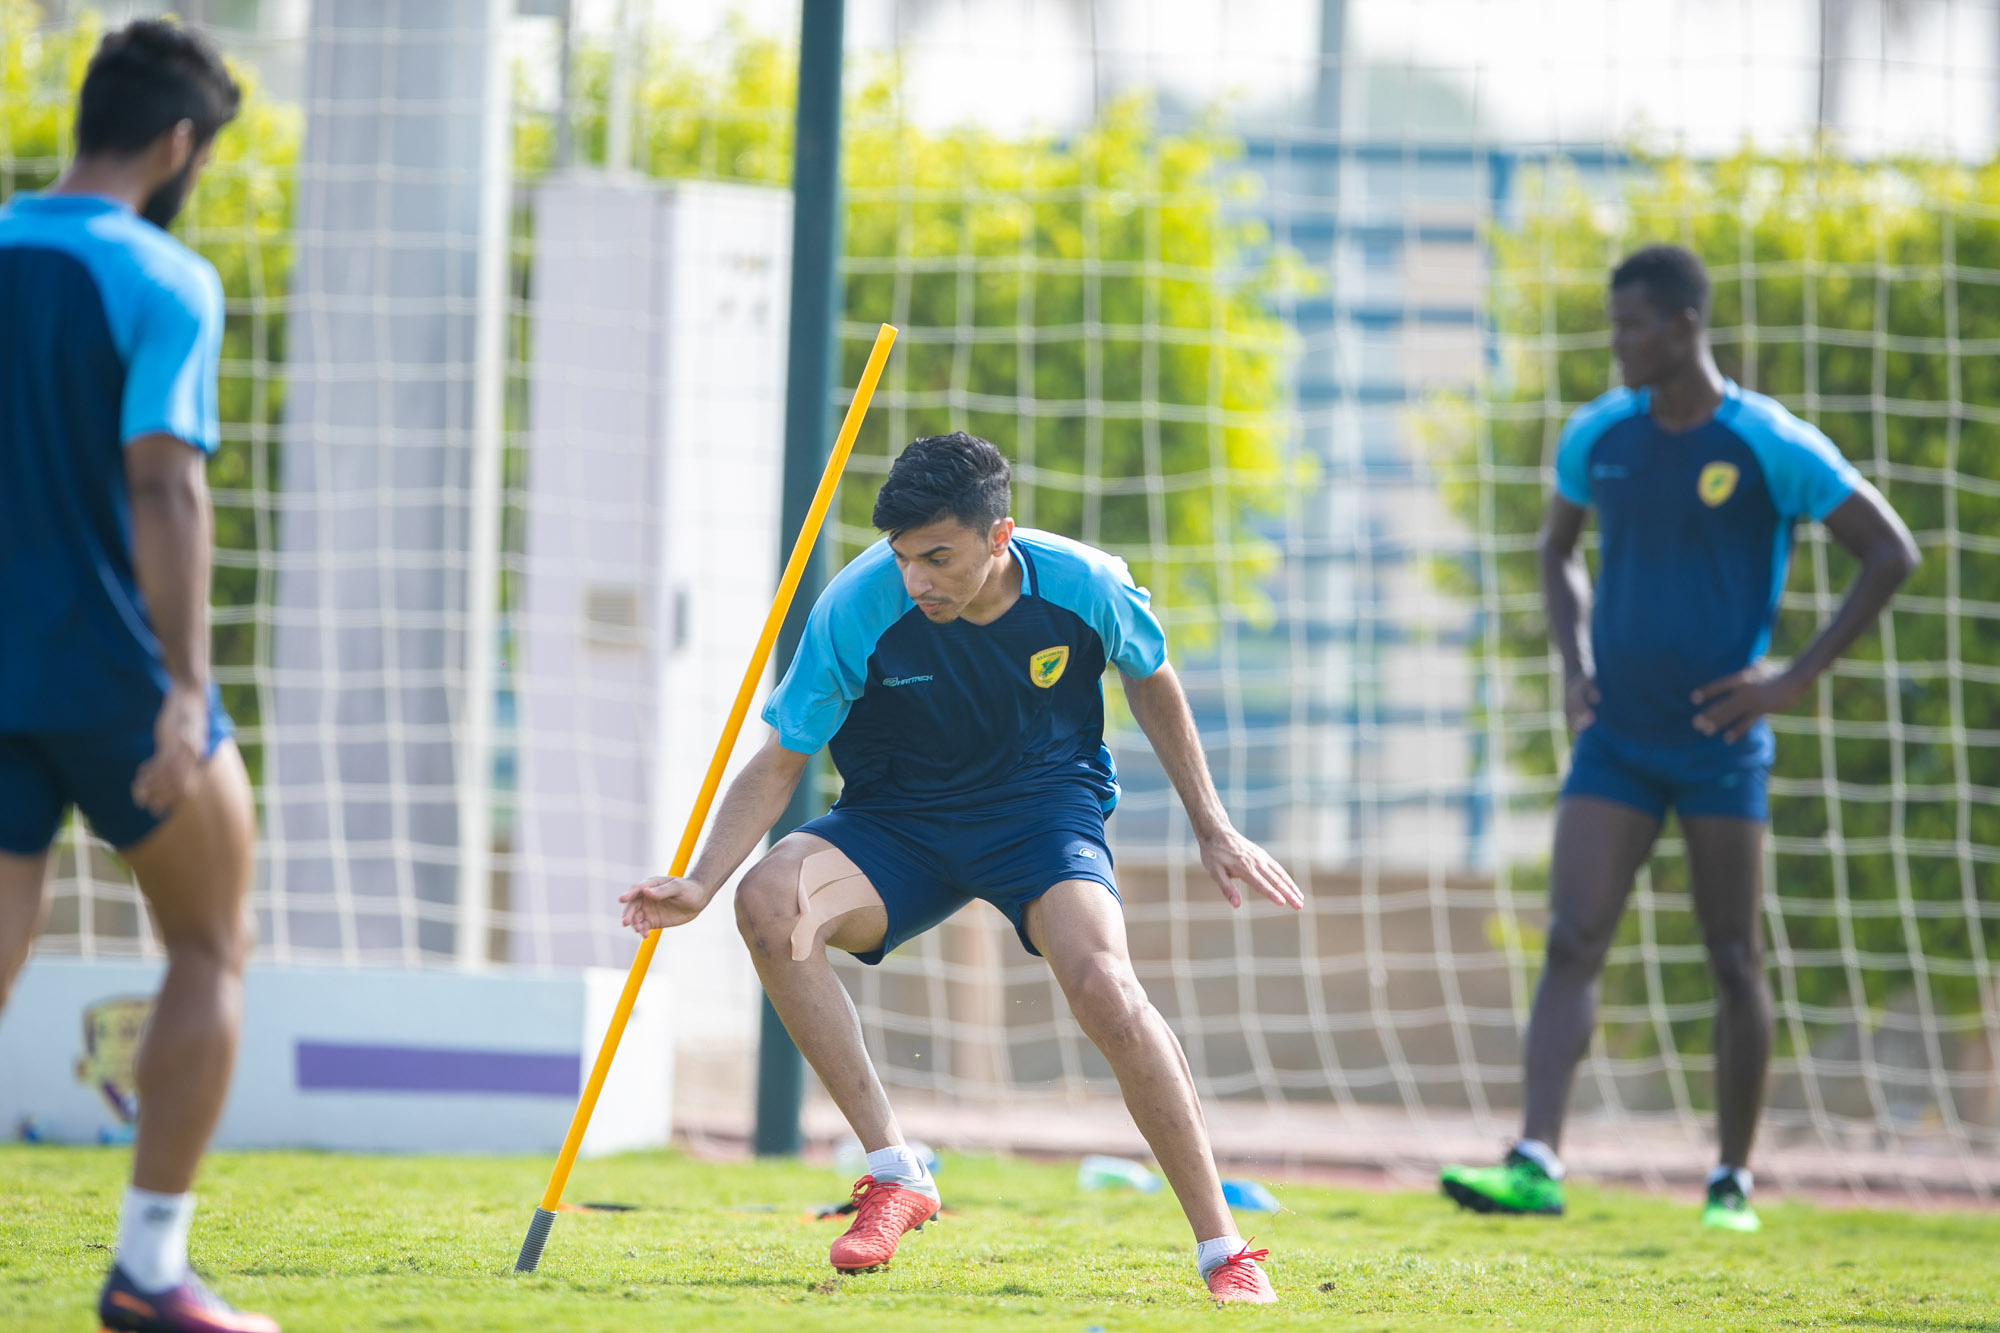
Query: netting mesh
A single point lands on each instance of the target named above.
(1286, 305)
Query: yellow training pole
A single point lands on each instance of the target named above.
(795, 568)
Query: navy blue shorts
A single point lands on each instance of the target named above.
(42, 774)
(1695, 781)
(926, 864)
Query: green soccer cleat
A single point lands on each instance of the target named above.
(1517, 1185)
(1728, 1209)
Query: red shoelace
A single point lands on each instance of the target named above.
(1240, 1266)
(871, 1199)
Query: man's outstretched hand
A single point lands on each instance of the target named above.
(1229, 857)
(662, 902)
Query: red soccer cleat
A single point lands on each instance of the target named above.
(188, 1308)
(1238, 1280)
(882, 1213)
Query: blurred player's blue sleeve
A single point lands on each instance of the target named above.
(830, 669)
(1580, 435)
(174, 360)
(1807, 475)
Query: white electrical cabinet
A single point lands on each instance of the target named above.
(653, 458)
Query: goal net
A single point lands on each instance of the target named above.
(1285, 304)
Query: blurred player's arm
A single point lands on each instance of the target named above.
(172, 530)
(1872, 533)
(1163, 714)
(753, 803)
(1566, 597)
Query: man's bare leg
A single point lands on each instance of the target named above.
(1078, 927)
(807, 995)
(24, 904)
(898, 1194)
(1599, 847)
(1726, 870)
(195, 871)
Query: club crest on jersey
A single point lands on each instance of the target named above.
(1046, 667)
(1718, 483)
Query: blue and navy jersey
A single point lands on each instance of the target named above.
(110, 329)
(1696, 534)
(961, 714)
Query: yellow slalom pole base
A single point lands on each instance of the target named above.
(836, 463)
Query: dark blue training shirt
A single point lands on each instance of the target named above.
(110, 329)
(923, 715)
(1696, 533)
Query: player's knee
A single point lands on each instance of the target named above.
(767, 907)
(222, 944)
(1109, 1002)
(1738, 966)
(1575, 946)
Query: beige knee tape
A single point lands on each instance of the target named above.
(829, 884)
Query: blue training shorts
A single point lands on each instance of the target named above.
(42, 774)
(1695, 781)
(926, 864)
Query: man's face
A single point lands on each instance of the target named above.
(946, 565)
(1650, 344)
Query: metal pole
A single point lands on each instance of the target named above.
(565, 55)
(624, 80)
(482, 584)
(781, 1075)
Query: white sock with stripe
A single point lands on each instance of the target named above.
(897, 1165)
(1722, 1173)
(1209, 1254)
(152, 1238)
(1542, 1155)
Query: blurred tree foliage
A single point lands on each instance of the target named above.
(1096, 306)
(240, 219)
(1867, 299)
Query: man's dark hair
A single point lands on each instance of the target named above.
(146, 78)
(1673, 278)
(955, 475)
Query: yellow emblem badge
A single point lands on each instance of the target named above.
(1718, 483)
(1046, 667)
(112, 1032)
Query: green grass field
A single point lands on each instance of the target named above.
(355, 1243)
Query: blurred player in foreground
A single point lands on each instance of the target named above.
(956, 668)
(1698, 485)
(110, 343)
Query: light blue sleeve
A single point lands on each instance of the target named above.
(1098, 587)
(830, 669)
(1580, 435)
(1805, 471)
(174, 357)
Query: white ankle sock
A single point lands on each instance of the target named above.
(152, 1238)
(1742, 1175)
(1542, 1155)
(1209, 1254)
(897, 1165)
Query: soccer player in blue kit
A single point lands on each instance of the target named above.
(1698, 485)
(955, 667)
(110, 340)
